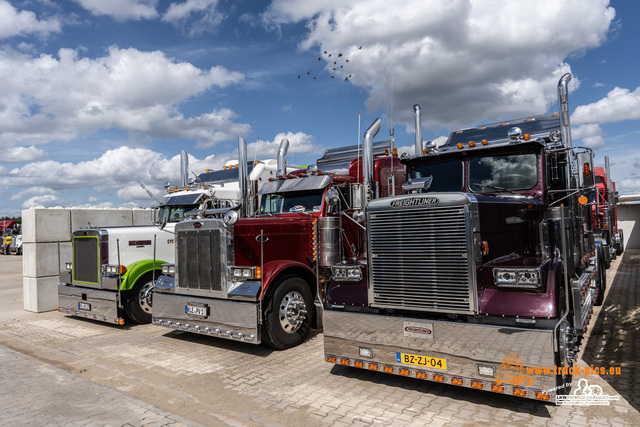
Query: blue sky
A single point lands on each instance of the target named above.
(98, 95)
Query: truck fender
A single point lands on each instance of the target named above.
(273, 270)
(136, 270)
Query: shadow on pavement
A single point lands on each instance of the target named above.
(615, 338)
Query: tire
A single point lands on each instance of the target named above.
(287, 319)
(137, 307)
(620, 245)
(601, 277)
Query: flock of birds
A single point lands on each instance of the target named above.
(339, 62)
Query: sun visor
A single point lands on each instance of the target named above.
(181, 199)
(316, 182)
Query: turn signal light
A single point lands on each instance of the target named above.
(497, 388)
(123, 269)
(258, 272)
(519, 392)
(438, 378)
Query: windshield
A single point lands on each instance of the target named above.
(291, 202)
(503, 173)
(445, 176)
(173, 213)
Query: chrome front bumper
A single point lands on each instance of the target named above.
(484, 357)
(89, 303)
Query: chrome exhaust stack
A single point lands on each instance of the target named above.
(367, 160)
(282, 158)
(563, 106)
(184, 168)
(243, 177)
(418, 123)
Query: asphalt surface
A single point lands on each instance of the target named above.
(60, 370)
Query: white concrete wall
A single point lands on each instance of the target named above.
(46, 236)
(629, 222)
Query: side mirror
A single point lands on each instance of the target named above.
(418, 184)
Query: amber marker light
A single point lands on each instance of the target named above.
(526, 137)
(388, 369)
(331, 359)
(542, 396)
(421, 375)
(358, 364)
(123, 269)
(457, 381)
(583, 200)
(477, 385)
(460, 145)
(120, 321)
(373, 367)
(472, 144)
(519, 392)
(485, 142)
(438, 378)
(344, 362)
(484, 247)
(258, 272)
(497, 388)
(404, 372)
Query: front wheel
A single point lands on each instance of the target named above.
(287, 319)
(139, 302)
(620, 243)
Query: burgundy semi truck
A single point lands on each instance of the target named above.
(251, 276)
(489, 259)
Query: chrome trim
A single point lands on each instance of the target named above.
(418, 132)
(367, 160)
(563, 105)
(234, 320)
(432, 268)
(104, 304)
(464, 346)
(281, 169)
(243, 177)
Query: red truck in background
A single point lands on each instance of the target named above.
(605, 214)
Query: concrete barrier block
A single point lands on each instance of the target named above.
(143, 216)
(80, 218)
(45, 259)
(46, 225)
(40, 294)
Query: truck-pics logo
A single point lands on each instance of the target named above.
(511, 371)
(414, 201)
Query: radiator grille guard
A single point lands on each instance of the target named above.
(201, 257)
(423, 251)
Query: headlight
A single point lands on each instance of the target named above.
(169, 269)
(521, 278)
(231, 217)
(113, 270)
(245, 273)
(346, 273)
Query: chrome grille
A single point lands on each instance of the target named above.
(199, 263)
(422, 258)
(86, 259)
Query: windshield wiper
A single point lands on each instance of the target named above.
(494, 187)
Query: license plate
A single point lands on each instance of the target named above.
(423, 361)
(195, 310)
(84, 306)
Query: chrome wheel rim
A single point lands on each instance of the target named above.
(292, 311)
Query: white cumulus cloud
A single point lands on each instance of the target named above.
(462, 60)
(48, 98)
(619, 104)
(122, 10)
(195, 17)
(24, 22)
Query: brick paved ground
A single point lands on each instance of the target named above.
(218, 382)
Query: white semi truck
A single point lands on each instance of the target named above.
(113, 269)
